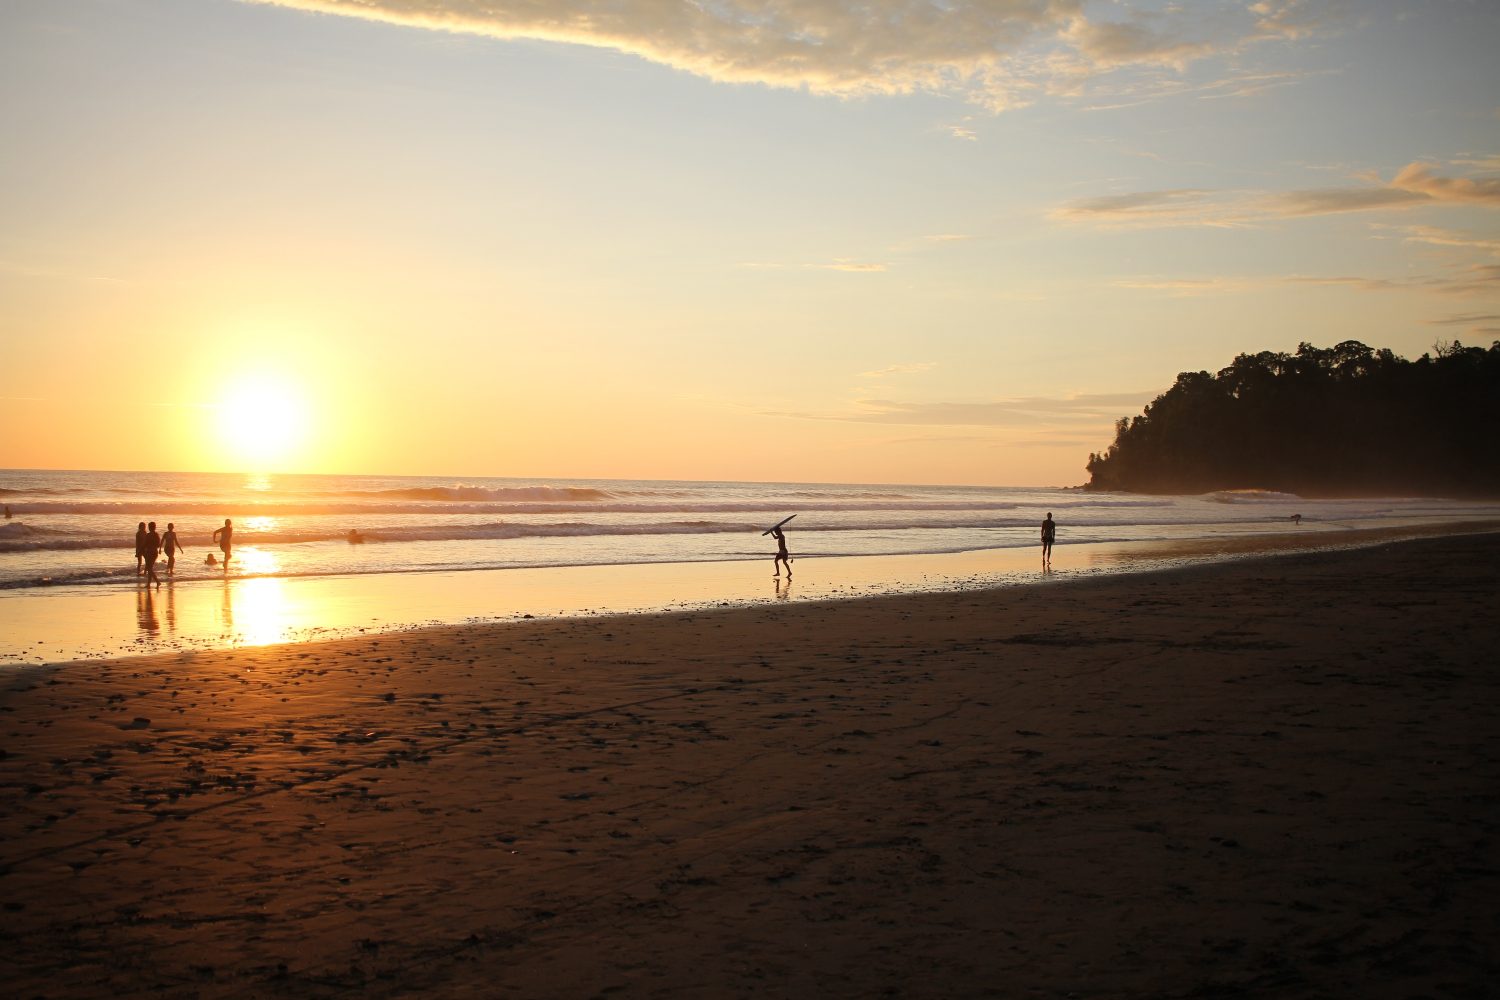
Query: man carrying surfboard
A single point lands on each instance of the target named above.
(781, 553)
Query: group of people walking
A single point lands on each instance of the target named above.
(150, 546)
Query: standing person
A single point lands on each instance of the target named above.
(1049, 535)
(781, 553)
(150, 549)
(140, 546)
(170, 547)
(223, 541)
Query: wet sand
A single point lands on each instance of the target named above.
(59, 625)
(1274, 777)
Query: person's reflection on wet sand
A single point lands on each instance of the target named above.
(783, 587)
(171, 607)
(145, 612)
(227, 609)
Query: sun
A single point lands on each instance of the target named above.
(262, 423)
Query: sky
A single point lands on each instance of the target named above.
(896, 241)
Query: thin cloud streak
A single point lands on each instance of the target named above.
(1465, 319)
(906, 369)
(1081, 410)
(851, 266)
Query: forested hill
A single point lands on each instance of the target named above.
(1343, 421)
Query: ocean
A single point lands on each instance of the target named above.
(76, 529)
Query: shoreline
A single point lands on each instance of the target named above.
(1251, 777)
(46, 626)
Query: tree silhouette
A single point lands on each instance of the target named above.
(1345, 420)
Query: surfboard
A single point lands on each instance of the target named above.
(778, 524)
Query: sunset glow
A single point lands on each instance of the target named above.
(889, 242)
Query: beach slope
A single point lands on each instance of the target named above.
(1272, 777)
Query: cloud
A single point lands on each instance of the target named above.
(1294, 19)
(852, 266)
(906, 369)
(1415, 184)
(30, 271)
(1324, 201)
(1116, 43)
(1465, 319)
(1418, 178)
(1171, 207)
(1437, 236)
(1084, 411)
(1184, 286)
(1484, 279)
(1476, 280)
(996, 53)
(1251, 84)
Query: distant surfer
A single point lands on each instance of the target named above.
(781, 553)
(355, 537)
(170, 547)
(222, 536)
(1297, 519)
(7, 512)
(1049, 535)
(140, 547)
(149, 550)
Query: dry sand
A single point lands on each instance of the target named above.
(1271, 778)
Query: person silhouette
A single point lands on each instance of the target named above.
(140, 547)
(150, 550)
(781, 553)
(222, 536)
(1049, 535)
(7, 512)
(170, 547)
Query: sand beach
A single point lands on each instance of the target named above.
(1268, 777)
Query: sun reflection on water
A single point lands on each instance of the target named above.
(254, 561)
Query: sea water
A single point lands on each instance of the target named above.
(77, 529)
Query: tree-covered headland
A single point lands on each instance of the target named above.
(1341, 421)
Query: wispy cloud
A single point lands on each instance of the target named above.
(1476, 280)
(1466, 319)
(1482, 161)
(1185, 286)
(996, 54)
(1076, 411)
(1414, 185)
(851, 266)
(31, 271)
(905, 369)
(1298, 18)
(1437, 236)
(1171, 207)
